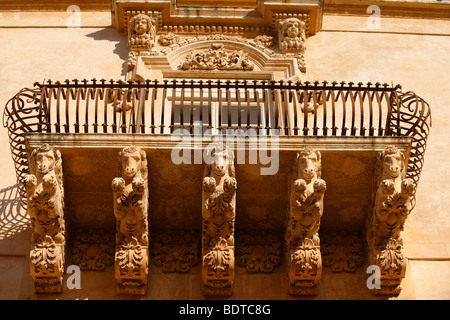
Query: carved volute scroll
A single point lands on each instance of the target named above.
(218, 216)
(306, 192)
(45, 205)
(384, 225)
(292, 39)
(130, 196)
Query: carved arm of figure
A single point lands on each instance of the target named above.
(50, 185)
(31, 184)
(229, 188)
(209, 186)
(320, 187)
(118, 186)
(138, 189)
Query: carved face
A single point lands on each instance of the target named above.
(131, 164)
(219, 166)
(44, 223)
(308, 164)
(393, 164)
(45, 162)
(141, 26)
(292, 29)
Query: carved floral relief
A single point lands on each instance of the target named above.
(342, 251)
(176, 250)
(93, 249)
(259, 251)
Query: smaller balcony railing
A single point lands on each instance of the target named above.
(266, 107)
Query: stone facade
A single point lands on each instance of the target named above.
(186, 263)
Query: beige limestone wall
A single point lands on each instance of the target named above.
(344, 51)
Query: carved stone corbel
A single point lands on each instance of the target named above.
(218, 216)
(292, 39)
(130, 196)
(392, 206)
(306, 192)
(45, 205)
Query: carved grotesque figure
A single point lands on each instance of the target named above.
(392, 207)
(302, 233)
(219, 210)
(130, 194)
(141, 32)
(45, 205)
(292, 36)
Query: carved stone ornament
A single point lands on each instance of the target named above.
(218, 216)
(342, 251)
(392, 206)
(264, 40)
(306, 191)
(168, 39)
(176, 251)
(130, 196)
(45, 205)
(292, 36)
(93, 250)
(141, 32)
(259, 251)
(292, 39)
(216, 58)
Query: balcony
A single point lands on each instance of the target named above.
(265, 123)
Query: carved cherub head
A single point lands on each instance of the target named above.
(45, 159)
(140, 24)
(392, 163)
(308, 165)
(133, 163)
(221, 161)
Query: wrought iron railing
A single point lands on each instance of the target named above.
(266, 107)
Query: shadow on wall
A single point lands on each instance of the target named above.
(121, 44)
(13, 218)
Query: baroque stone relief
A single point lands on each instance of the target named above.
(342, 251)
(218, 217)
(130, 200)
(45, 206)
(217, 58)
(93, 249)
(292, 39)
(306, 191)
(176, 250)
(141, 32)
(384, 224)
(259, 251)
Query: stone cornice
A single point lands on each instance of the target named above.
(190, 18)
(425, 9)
